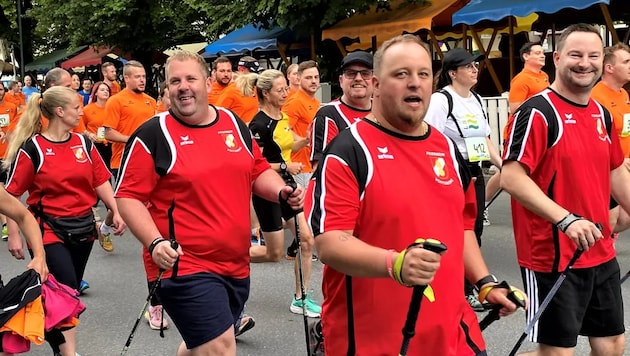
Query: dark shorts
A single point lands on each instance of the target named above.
(588, 303)
(613, 203)
(204, 305)
(269, 214)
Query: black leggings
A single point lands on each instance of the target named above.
(67, 262)
(480, 194)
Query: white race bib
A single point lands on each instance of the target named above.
(4, 120)
(477, 148)
(625, 129)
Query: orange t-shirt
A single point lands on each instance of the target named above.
(618, 103)
(93, 117)
(523, 86)
(215, 92)
(244, 107)
(8, 120)
(125, 112)
(114, 88)
(15, 99)
(301, 109)
(161, 107)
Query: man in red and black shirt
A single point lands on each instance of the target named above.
(562, 160)
(356, 83)
(363, 207)
(169, 190)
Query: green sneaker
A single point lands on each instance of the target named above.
(5, 232)
(313, 310)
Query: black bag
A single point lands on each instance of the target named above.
(73, 230)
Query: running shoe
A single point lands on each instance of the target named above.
(313, 310)
(486, 218)
(105, 237)
(83, 286)
(474, 303)
(5, 232)
(245, 323)
(154, 317)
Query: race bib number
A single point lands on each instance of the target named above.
(4, 120)
(477, 148)
(625, 129)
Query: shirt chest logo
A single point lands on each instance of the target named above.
(49, 152)
(440, 168)
(384, 153)
(79, 154)
(568, 118)
(230, 141)
(185, 140)
(602, 133)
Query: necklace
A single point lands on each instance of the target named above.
(54, 139)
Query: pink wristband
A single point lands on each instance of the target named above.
(388, 262)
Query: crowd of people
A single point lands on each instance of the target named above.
(346, 178)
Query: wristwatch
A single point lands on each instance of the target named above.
(283, 167)
(487, 279)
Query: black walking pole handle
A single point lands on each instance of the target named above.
(409, 330)
(514, 295)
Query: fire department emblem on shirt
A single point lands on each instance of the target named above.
(230, 141)
(79, 154)
(440, 169)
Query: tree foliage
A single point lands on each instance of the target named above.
(131, 25)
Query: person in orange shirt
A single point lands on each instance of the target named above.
(237, 97)
(124, 113)
(531, 80)
(301, 109)
(163, 102)
(8, 114)
(13, 95)
(293, 79)
(610, 93)
(108, 69)
(222, 68)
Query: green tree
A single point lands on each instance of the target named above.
(9, 29)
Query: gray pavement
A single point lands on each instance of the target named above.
(118, 290)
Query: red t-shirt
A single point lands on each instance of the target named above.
(573, 170)
(426, 188)
(64, 177)
(329, 120)
(207, 172)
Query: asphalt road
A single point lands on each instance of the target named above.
(118, 290)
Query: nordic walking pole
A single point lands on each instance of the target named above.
(494, 197)
(514, 295)
(546, 301)
(174, 246)
(625, 276)
(288, 212)
(409, 330)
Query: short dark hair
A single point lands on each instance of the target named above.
(216, 62)
(527, 48)
(306, 65)
(578, 27)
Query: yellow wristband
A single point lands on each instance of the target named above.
(483, 293)
(398, 267)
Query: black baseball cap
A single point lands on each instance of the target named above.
(250, 63)
(361, 57)
(459, 57)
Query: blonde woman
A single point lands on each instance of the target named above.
(63, 174)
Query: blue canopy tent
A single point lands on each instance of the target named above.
(478, 11)
(252, 38)
(495, 10)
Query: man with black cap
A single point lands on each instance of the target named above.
(457, 112)
(356, 102)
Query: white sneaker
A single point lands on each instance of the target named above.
(486, 219)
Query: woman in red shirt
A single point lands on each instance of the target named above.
(63, 174)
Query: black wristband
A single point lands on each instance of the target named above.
(563, 224)
(487, 279)
(155, 243)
